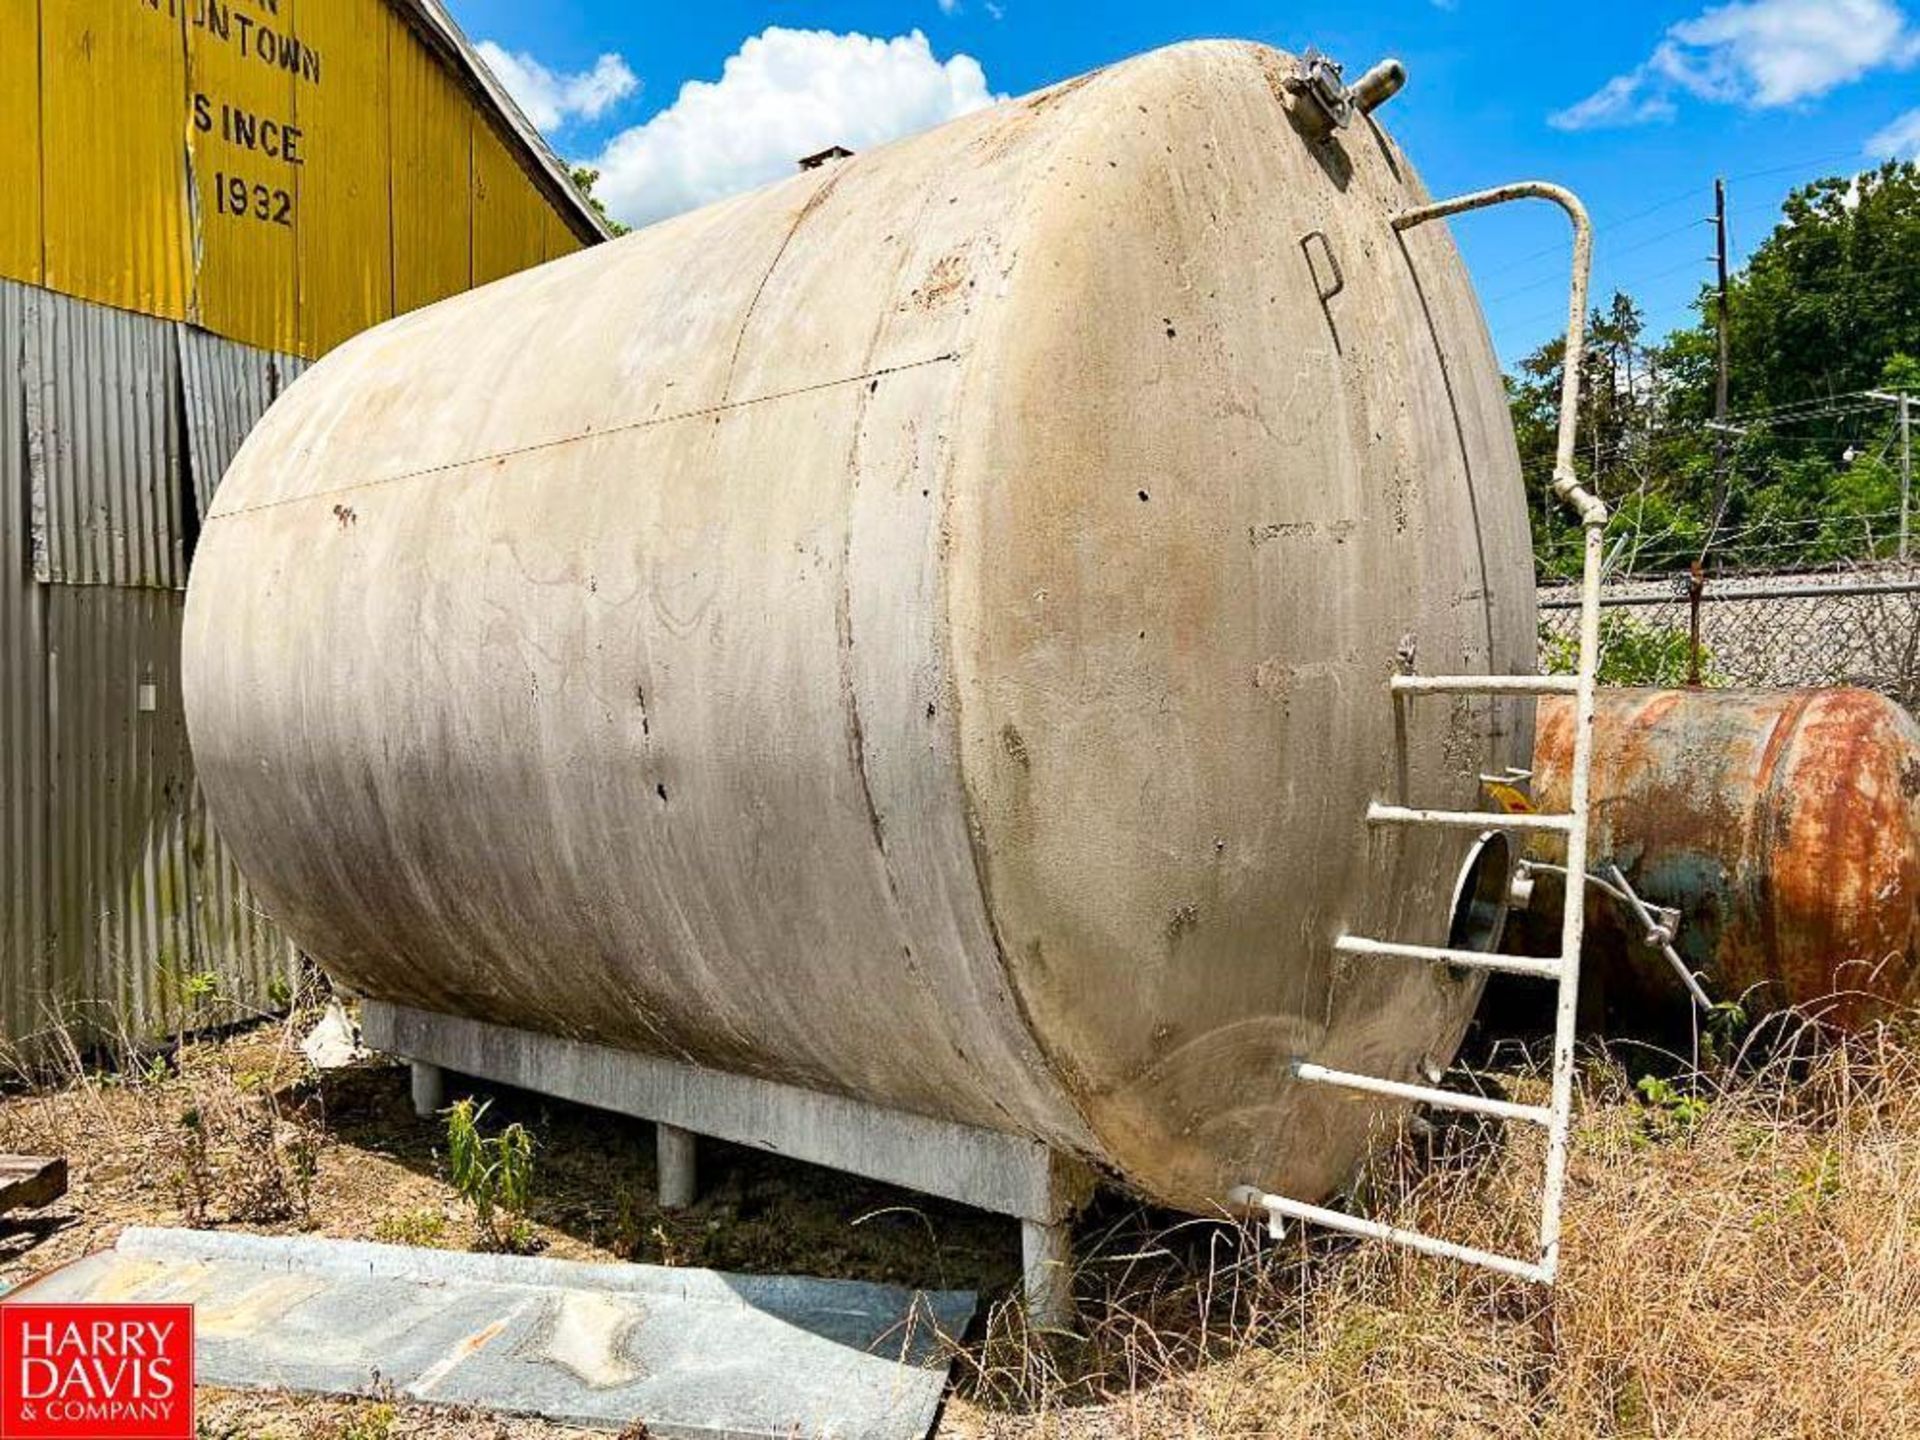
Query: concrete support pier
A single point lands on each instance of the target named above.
(678, 1170)
(429, 1089)
(1046, 1267)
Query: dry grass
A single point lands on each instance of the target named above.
(1742, 1253)
(1742, 1260)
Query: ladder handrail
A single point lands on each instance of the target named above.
(1593, 516)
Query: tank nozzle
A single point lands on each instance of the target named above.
(1379, 85)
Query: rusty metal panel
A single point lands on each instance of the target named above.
(244, 164)
(346, 200)
(228, 388)
(432, 197)
(29, 983)
(112, 81)
(509, 214)
(119, 799)
(20, 152)
(103, 445)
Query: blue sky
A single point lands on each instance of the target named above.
(1637, 105)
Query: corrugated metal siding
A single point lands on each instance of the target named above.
(284, 175)
(115, 887)
(113, 79)
(433, 198)
(560, 239)
(103, 445)
(232, 936)
(244, 209)
(20, 139)
(346, 203)
(228, 388)
(120, 792)
(28, 981)
(508, 212)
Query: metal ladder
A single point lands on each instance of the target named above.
(1564, 970)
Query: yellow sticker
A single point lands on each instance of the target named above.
(1509, 799)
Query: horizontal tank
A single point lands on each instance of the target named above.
(920, 631)
(1783, 824)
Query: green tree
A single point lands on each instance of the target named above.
(1827, 306)
(585, 177)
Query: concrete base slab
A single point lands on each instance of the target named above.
(694, 1354)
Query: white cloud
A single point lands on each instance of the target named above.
(551, 99)
(949, 7)
(1623, 100)
(1899, 141)
(783, 94)
(1756, 53)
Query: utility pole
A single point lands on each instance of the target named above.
(1721, 429)
(1905, 402)
(1720, 385)
(1720, 265)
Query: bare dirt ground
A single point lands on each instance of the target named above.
(1742, 1253)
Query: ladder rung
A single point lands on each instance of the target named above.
(1485, 684)
(1278, 1205)
(1378, 814)
(1473, 959)
(1428, 1094)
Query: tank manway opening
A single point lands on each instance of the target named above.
(1480, 900)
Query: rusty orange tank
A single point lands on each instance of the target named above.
(1784, 824)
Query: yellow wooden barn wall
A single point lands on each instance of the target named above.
(20, 139)
(285, 173)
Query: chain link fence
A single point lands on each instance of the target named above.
(1857, 627)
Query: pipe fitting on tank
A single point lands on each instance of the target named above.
(1321, 100)
(1379, 85)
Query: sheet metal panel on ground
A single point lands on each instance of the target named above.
(690, 1353)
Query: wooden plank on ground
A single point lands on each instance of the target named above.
(29, 1181)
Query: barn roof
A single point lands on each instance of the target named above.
(437, 26)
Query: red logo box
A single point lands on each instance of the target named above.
(96, 1372)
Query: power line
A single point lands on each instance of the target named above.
(1687, 194)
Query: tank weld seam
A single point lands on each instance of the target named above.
(704, 411)
(814, 202)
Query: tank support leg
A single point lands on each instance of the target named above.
(429, 1089)
(1046, 1256)
(674, 1149)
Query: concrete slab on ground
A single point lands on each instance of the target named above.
(692, 1353)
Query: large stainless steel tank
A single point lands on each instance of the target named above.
(919, 631)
